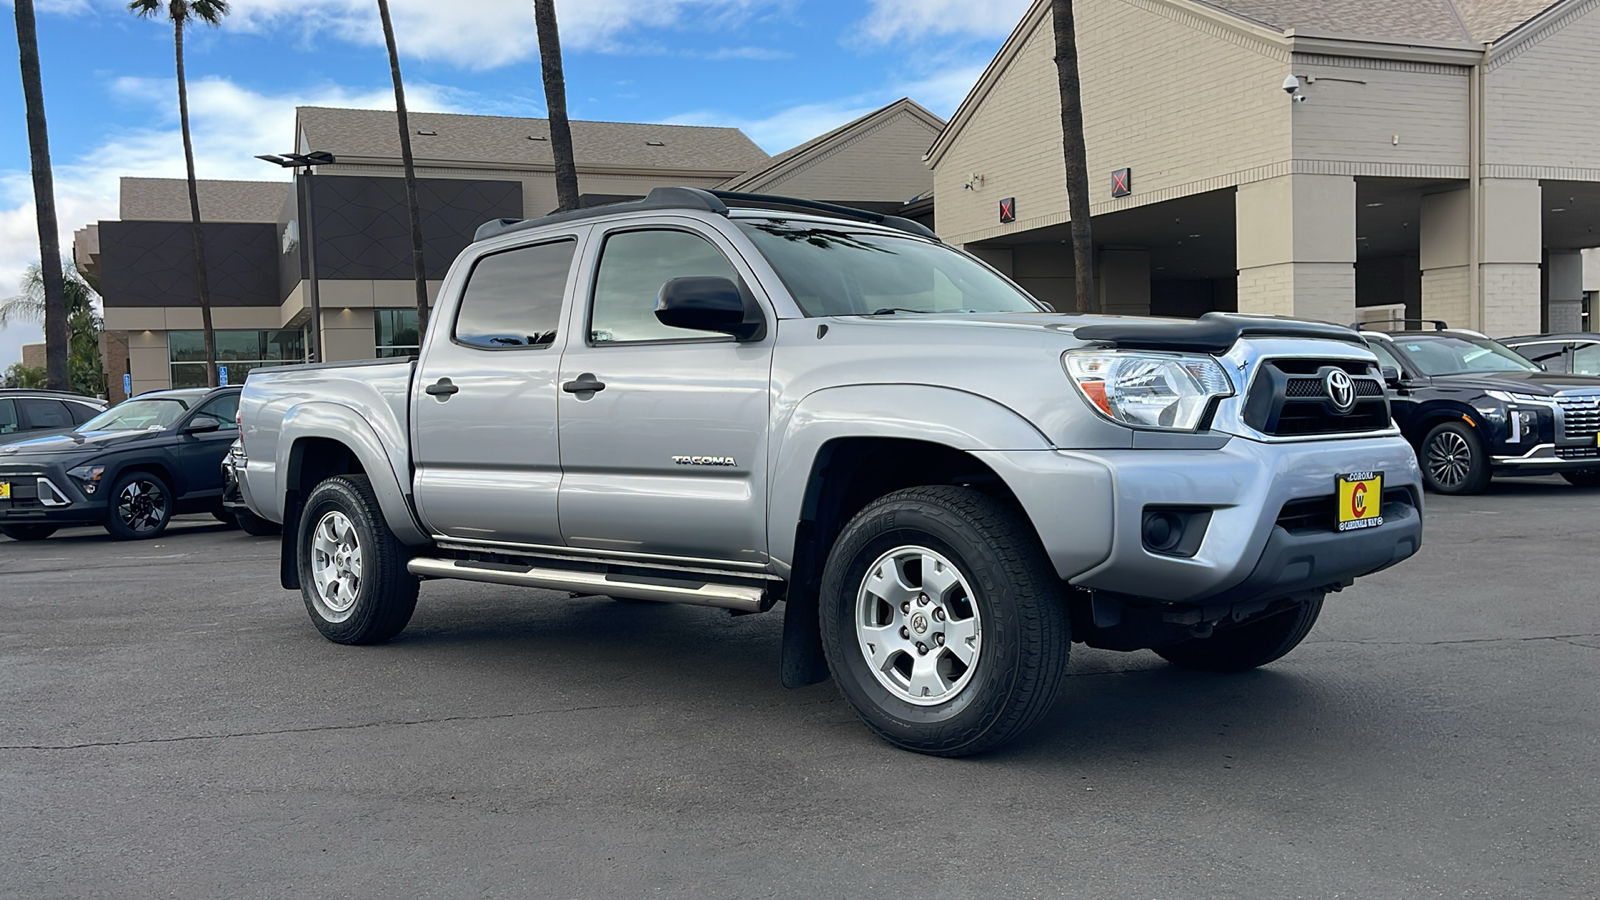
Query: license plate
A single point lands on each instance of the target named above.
(1360, 500)
(5, 490)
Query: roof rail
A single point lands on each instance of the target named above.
(1438, 324)
(705, 201)
(848, 212)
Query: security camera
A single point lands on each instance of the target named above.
(1291, 85)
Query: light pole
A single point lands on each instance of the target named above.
(306, 161)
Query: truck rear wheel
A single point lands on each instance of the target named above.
(942, 621)
(352, 568)
(1242, 647)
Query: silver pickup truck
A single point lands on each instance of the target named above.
(731, 400)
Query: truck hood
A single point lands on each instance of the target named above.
(1211, 333)
(1540, 384)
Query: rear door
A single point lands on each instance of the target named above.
(45, 416)
(483, 418)
(668, 456)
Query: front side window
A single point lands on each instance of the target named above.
(1459, 355)
(8, 417)
(1586, 359)
(224, 409)
(513, 298)
(634, 265)
(834, 272)
(1386, 359)
(44, 414)
(138, 415)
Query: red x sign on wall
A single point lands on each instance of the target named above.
(1121, 182)
(1008, 210)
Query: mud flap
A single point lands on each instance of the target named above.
(801, 662)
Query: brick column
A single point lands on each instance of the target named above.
(1508, 268)
(1564, 297)
(1297, 247)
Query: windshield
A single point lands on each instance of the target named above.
(841, 273)
(1456, 355)
(138, 415)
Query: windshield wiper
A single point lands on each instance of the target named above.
(891, 310)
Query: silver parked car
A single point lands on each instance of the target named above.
(732, 401)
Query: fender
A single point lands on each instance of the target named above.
(939, 415)
(1437, 411)
(325, 419)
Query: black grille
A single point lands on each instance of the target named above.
(1315, 514)
(1581, 415)
(1578, 453)
(1289, 398)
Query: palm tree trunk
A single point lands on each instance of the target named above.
(44, 203)
(555, 97)
(201, 282)
(1072, 146)
(412, 206)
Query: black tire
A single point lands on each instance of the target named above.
(1006, 585)
(1249, 645)
(225, 517)
(27, 532)
(140, 506)
(1586, 478)
(254, 525)
(384, 595)
(1453, 460)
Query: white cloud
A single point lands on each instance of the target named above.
(491, 33)
(892, 20)
(230, 125)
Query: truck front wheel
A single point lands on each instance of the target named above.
(352, 568)
(1253, 643)
(942, 620)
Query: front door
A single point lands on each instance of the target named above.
(200, 455)
(663, 430)
(484, 400)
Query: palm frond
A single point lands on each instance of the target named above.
(209, 11)
(144, 9)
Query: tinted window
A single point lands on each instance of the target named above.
(633, 267)
(81, 412)
(513, 299)
(45, 413)
(1548, 354)
(224, 409)
(1386, 359)
(8, 416)
(1586, 359)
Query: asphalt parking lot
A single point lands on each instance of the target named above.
(172, 725)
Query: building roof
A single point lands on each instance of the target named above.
(167, 200)
(360, 134)
(794, 157)
(1468, 21)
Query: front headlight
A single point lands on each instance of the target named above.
(1515, 397)
(1147, 389)
(88, 477)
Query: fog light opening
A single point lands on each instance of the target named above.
(1163, 531)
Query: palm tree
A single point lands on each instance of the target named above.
(555, 97)
(180, 13)
(412, 206)
(44, 200)
(84, 368)
(1072, 146)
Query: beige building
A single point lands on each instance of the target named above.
(470, 169)
(1440, 157)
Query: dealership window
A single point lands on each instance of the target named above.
(395, 332)
(241, 351)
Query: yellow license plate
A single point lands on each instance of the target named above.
(5, 490)
(1360, 500)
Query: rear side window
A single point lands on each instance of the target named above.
(1551, 355)
(1586, 359)
(8, 416)
(81, 412)
(513, 299)
(46, 413)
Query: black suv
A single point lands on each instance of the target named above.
(1473, 408)
(26, 414)
(131, 468)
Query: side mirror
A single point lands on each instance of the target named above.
(201, 425)
(709, 303)
(1391, 376)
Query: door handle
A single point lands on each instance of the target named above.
(585, 384)
(441, 389)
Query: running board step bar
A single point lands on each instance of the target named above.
(725, 596)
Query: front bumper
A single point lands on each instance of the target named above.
(45, 494)
(1088, 508)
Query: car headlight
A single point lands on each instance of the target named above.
(1147, 389)
(88, 477)
(1514, 397)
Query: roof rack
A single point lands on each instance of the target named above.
(704, 201)
(1438, 324)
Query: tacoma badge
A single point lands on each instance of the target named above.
(704, 460)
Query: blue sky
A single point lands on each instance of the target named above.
(782, 70)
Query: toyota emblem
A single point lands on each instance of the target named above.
(1341, 390)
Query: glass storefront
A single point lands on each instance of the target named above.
(239, 350)
(395, 332)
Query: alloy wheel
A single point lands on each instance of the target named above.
(1449, 459)
(140, 506)
(918, 626)
(336, 566)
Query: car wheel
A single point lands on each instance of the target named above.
(352, 568)
(1253, 643)
(27, 532)
(141, 507)
(942, 620)
(1453, 460)
(254, 525)
(1583, 478)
